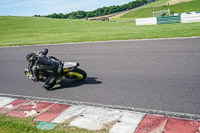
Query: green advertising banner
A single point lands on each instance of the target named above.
(168, 19)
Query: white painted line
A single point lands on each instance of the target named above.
(127, 123)
(71, 112)
(30, 113)
(5, 100)
(96, 118)
(10, 106)
(109, 41)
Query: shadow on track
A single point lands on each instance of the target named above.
(72, 83)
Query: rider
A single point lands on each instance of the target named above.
(38, 61)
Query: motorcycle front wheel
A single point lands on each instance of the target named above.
(77, 74)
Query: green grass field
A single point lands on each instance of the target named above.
(28, 125)
(147, 11)
(30, 30)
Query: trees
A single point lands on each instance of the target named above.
(81, 14)
(100, 11)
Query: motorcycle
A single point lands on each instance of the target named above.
(68, 70)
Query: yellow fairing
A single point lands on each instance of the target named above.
(66, 70)
(40, 77)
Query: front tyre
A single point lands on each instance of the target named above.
(77, 74)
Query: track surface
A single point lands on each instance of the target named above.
(150, 74)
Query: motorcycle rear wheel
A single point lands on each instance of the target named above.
(77, 74)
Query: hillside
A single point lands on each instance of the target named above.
(172, 2)
(175, 6)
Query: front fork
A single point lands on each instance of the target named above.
(29, 74)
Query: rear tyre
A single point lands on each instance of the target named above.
(77, 74)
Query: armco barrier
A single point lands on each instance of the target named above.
(188, 17)
(146, 21)
(168, 20)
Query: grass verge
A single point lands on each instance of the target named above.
(28, 125)
(30, 30)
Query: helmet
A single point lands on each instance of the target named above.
(29, 57)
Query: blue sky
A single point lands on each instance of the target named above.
(45, 7)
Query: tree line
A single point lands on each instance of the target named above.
(100, 11)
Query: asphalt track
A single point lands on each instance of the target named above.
(161, 74)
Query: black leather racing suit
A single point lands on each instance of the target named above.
(43, 63)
